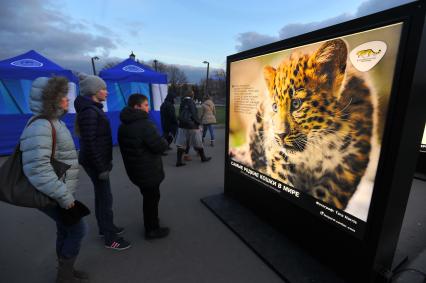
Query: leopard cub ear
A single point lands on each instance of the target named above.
(269, 74)
(330, 62)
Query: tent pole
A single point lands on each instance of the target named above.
(11, 96)
(122, 94)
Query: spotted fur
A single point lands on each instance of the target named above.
(315, 127)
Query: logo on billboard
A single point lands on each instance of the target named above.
(365, 56)
(133, 69)
(27, 63)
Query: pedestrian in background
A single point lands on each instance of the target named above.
(189, 133)
(141, 147)
(169, 121)
(49, 102)
(208, 118)
(94, 131)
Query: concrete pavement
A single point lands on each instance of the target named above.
(199, 249)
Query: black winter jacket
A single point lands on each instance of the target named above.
(169, 121)
(141, 147)
(188, 114)
(95, 135)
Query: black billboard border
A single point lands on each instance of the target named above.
(368, 259)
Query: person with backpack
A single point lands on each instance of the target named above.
(46, 136)
(189, 133)
(141, 147)
(94, 131)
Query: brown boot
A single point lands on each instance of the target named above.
(187, 157)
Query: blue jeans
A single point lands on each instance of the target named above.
(211, 131)
(68, 238)
(103, 205)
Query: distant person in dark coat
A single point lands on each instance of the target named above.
(169, 121)
(141, 147)
(94, 131)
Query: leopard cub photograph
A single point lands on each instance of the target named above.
(316, 127)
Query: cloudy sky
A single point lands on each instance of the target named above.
(176, 32)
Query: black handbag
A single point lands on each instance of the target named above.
(16, 189)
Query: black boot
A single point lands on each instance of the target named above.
(67, 273)
(180, 153)
(157, 233)
(203, 156)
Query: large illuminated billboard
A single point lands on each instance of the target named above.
(307, 122)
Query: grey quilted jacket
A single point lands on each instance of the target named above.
(36, 147)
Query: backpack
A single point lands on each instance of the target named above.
(16, 189)
(185, 117)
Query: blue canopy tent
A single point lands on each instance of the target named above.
(130, 77)
(16, 76)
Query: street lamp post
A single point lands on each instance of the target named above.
(93, 64)
(155, 64)
(207, 77)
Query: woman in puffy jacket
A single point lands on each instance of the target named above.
(48, 98)
(208, 118)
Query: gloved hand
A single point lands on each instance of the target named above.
(103, 176)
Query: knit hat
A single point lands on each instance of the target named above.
(90, 85)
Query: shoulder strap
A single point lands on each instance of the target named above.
(53, 140)
(53, 133)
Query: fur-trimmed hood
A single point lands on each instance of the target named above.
(45, 96)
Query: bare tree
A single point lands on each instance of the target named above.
(176, 78)
(176, 75)
(217, 85)
(110, 64)
(161, 67)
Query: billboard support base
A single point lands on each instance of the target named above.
(420, 176)
(291, 262)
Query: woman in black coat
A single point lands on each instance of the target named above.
(169, 121)
(141, 147)
(94, 131)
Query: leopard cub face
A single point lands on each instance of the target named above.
(304, 96)
(316, 124)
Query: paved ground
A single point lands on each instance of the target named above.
(200, 248)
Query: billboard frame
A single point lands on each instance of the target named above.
(368, 259)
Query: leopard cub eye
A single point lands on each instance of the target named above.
(275, 107)
(296, 103)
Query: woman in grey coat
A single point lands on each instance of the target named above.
(48, 98)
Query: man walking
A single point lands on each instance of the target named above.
(141, 148)
(189, 133)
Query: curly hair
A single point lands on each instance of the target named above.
(55, 89)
